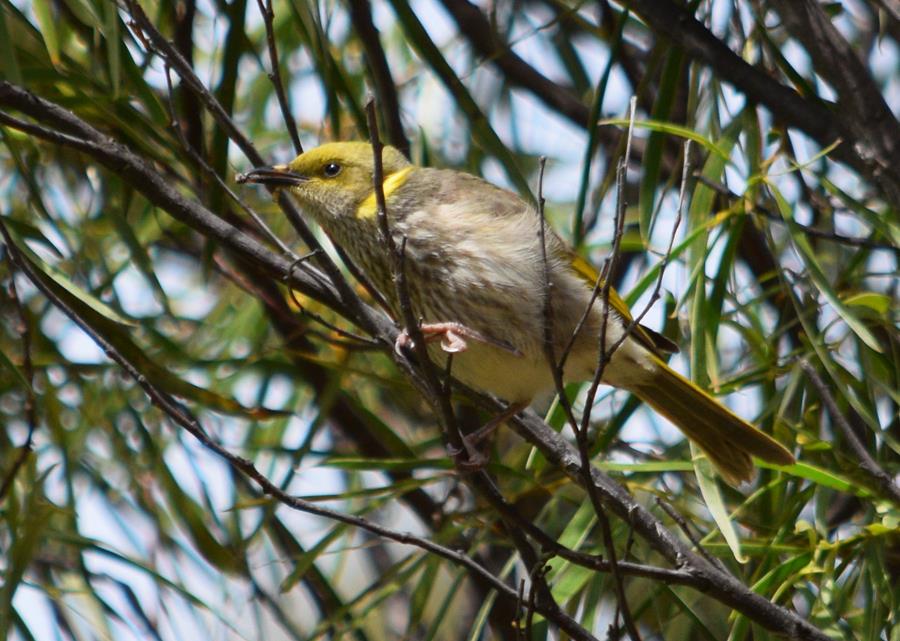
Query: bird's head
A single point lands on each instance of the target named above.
(333, 180)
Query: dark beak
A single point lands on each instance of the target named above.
(276, 176)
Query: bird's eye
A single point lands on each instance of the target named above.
(331, 170)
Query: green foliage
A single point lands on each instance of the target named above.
(118, 524)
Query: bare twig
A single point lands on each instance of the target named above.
(605, 355)
(362, 279)
(439, 394)
(581, 434)
(882, 479)
(385, 88)
(265, 8)
(809, 231)
(679, 213)
(209, 171)
(537, 577)
(684, 527)
(520, 633)
(810, 116)
(603, 360)
(350, 336)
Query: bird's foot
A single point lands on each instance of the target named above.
(468, 459)
(471, 458)
(453, 337)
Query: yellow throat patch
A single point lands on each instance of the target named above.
(369, 207)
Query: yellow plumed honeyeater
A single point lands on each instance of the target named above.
(475, 270)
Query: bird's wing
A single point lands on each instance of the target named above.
(473, 193)
(651, 339)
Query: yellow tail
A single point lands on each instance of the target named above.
(725, 438)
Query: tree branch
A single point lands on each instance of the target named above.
(883, 481)
(140, 174)
(789, 107)
(860, 102)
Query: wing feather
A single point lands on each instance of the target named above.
(652, 340)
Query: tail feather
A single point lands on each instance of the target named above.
(724, 437)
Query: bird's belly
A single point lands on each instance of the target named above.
(521, 377)
(512, 377)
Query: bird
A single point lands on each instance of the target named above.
(477, 260)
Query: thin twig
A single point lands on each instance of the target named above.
(265, 8)
(657, 289)
(604, 355)
(438, 394)
(362, 279)
(581, 434)
(537, 577)
(603, 359)
(547, 289)
(883, 480)
(378, 68)
(350, 336)
(200, 162)
(854, 241)
(684, 527)
(556, 368)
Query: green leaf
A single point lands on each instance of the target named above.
(85, 11)
(43, 10)
(820, 476)
(652, 158)
(880, 303)
(307, 559)
(817, 275)
(8, 60)
(712, 496)
(395, 465)
(139, 256)
(651, 467)
(80, 294)
(671, 129)
(113, 46)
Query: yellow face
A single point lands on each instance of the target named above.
(332, 180)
